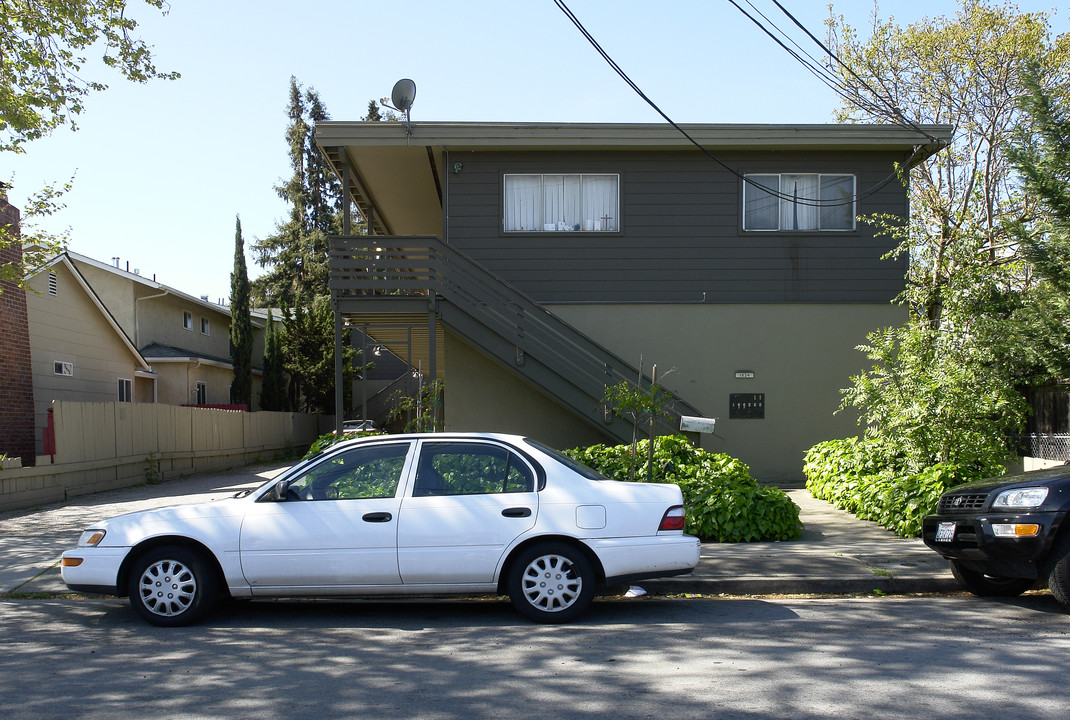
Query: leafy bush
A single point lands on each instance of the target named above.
(325, 441)
(724, 503)
(870, 480)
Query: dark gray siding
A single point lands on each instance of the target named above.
(681, 237)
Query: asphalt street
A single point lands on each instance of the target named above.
(807, 659)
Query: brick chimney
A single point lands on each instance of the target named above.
(16, 380)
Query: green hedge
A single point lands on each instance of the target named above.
(724, 503)
(870, 480)
(325, 441)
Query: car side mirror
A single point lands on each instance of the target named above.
(278, 493)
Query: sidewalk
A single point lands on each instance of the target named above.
(837, 552)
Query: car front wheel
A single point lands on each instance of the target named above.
(551, 583)
(171, 586)
(989, 585)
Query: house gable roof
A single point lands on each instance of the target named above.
(259, 317)
(64, 260)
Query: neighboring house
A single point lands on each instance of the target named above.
(98, 333)
(531, 265)
(78, 351)
(185, 339)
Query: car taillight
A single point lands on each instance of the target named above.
(673, 519)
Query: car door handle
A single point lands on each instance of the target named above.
(377, 517)
(517, 512)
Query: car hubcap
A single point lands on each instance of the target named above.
(551, 584)
(168, 588)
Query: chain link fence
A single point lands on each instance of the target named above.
(1046, 446)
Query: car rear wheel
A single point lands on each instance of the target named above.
(1059, 577)
(171, 586)
(551, 583)
(989, 585)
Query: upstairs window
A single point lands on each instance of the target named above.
(187, 320)
(206, 327)
(562, 203)
(799, 202)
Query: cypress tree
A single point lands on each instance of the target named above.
(273, 390)
(241, 325)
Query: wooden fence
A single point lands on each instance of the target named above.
(102, 446)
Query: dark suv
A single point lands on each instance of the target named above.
(1003, 535)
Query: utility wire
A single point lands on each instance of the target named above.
(780, 195)
(888, 101)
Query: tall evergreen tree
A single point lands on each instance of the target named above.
(1042, 157)
(296, 256)
(241, 325)
(273, 389)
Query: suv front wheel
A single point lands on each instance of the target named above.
(1059, 577)
(989, 585)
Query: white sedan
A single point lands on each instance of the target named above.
(439, 514)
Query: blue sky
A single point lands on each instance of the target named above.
(163, 168)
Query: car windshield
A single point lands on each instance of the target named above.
(574, 465)
(287, 473)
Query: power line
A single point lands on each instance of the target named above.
(782, 196)
(856, 97)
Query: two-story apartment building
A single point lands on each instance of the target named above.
(532, 265)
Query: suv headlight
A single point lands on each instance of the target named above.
(90, 538)
(1021, 498)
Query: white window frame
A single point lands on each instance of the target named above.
(187, 320)
(201, 390)
(594, 224)
(206, 326)
(125, 390)
(749, 188)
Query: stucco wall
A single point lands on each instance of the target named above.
(482, 396)
(801, 356)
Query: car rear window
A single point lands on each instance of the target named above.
(574, 465)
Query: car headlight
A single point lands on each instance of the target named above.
(1021, 498)
(91, 538)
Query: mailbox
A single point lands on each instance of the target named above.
(697, 424)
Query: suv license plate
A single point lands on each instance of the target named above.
(945, 532)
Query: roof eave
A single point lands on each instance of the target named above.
(505, 136)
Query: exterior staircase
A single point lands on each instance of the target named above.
(421, 277)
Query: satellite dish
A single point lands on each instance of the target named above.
(403, 94)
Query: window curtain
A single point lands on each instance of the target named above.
(796, 215)
(600, 203)
(561, 202)
(523, 203)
